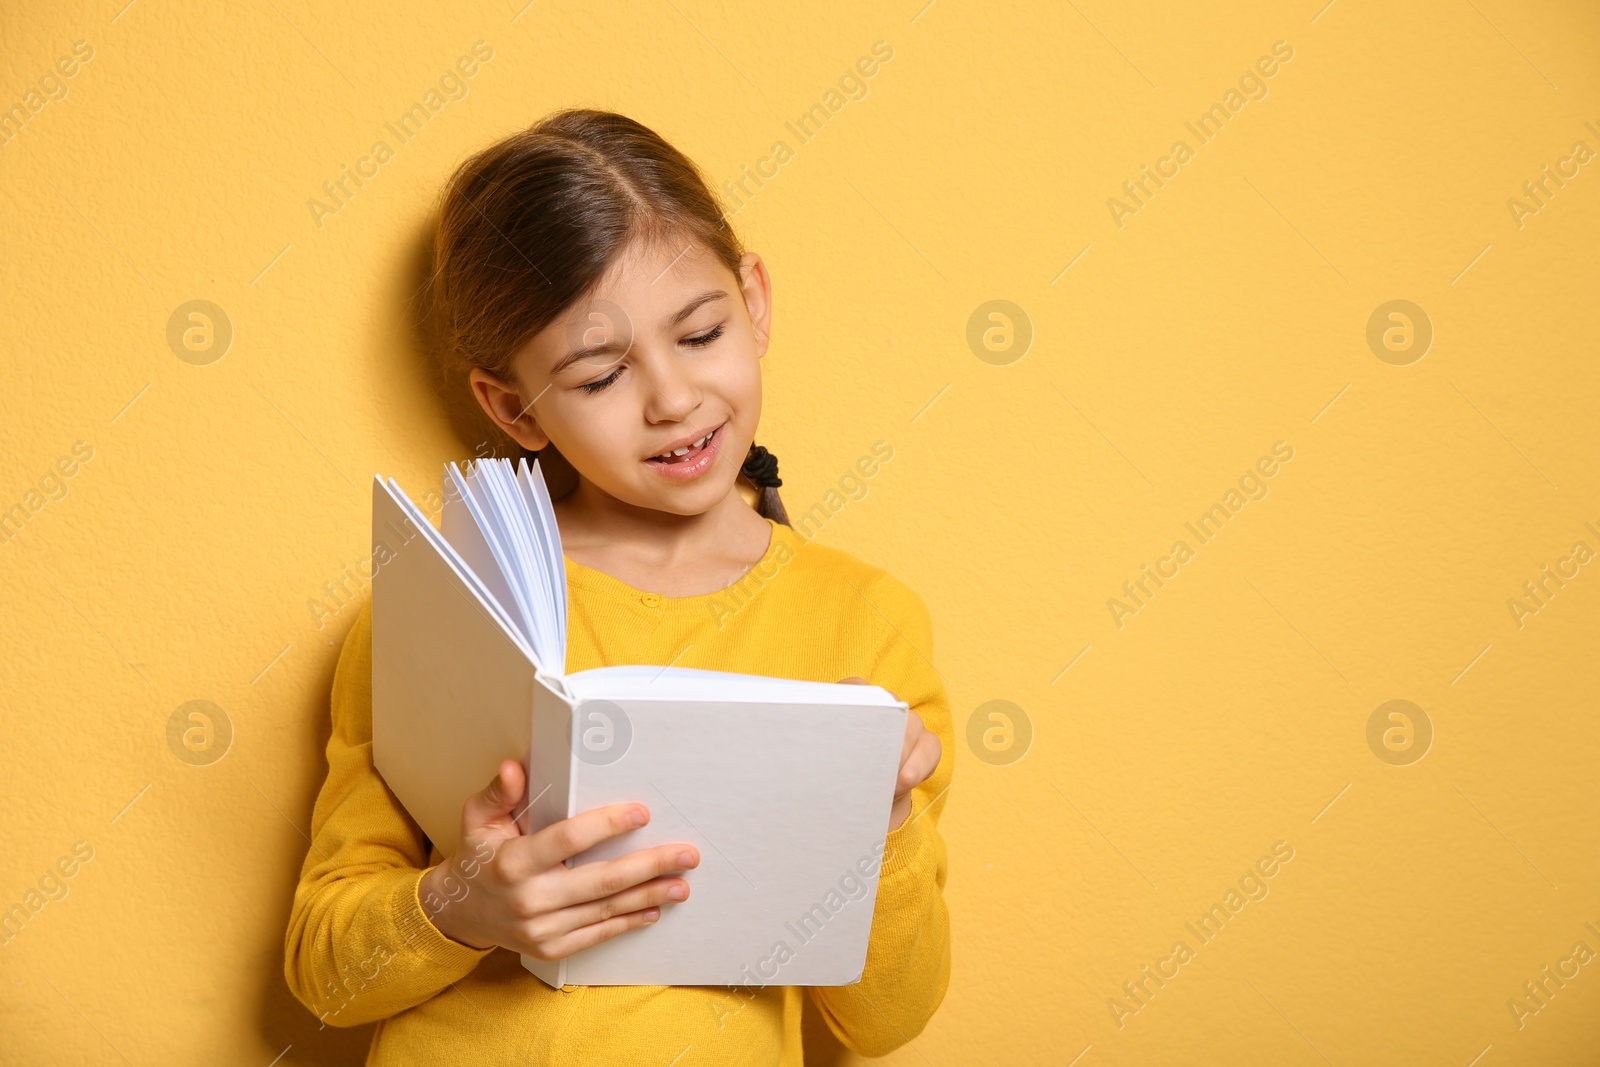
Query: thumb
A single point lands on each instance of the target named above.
(495, 802)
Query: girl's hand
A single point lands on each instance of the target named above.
(508, 889)
(919, 755)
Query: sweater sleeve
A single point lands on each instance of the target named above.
(359, 946)
(908, 956)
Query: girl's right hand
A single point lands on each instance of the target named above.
(509, 889)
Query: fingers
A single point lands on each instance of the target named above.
(654, 893)
(562, 840)
(597, 901)
(919, 763)
(584, 937)
(605, 878)
(526, 898)
(915, 731)
(495, 802)
(919, 750)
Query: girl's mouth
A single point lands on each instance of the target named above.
(691, 461)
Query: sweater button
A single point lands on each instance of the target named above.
(651, 600)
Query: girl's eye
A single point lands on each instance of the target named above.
(696, 342)
(595, 387)
(705, 338)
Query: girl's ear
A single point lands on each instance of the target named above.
(505, 407)
(757, 288)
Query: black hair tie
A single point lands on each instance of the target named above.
(761, 467)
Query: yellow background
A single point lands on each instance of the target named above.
(1229, 313)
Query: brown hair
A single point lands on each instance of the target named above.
(529, 225)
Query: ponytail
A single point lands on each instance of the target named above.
(760, 469)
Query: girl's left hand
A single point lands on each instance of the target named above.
(919, 755)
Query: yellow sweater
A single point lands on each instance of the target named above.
(360, 948)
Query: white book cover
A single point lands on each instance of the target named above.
(784, 786)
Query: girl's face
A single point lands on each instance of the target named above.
(664, 352)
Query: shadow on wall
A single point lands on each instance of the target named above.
(281, 1019)
(428, 366)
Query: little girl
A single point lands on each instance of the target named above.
(612, 323)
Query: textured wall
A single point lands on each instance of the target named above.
(1392, 480)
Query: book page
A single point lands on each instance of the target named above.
(536, 494)
(471, 533)
(504, 503)
(529, 552)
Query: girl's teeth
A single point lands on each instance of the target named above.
(685, 451)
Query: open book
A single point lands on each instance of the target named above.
(784, 786)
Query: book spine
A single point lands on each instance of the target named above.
(574, 764)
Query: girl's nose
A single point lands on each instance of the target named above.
(672, 391)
